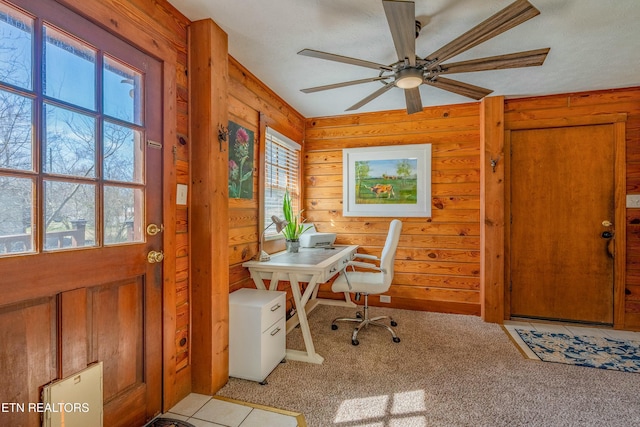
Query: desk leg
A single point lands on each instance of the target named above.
(273, 282)
(310, 355)
(257, 279)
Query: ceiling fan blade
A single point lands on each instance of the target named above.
(344, 59)
(371, 97)
(530, 58)
(512, 15)
(343, 84)
(401, 16)
(414, 103)
(465, 89)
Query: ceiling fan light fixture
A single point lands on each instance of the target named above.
(409, 78)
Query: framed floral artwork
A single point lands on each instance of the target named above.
(241, 141)
(387, 181)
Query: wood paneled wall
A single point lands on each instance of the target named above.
(181, 345)
(438, 259)
(568, 106)
(254, 106)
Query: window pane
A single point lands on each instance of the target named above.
(69, 146)
(122, 215)
(281, 173)
(69, 69)
(70, 215)
(16, 215)
(16, 137)
(123, 152)
(123, 92)
(16, 57)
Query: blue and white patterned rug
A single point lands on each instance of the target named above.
(595, 352)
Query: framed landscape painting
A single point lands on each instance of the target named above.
(390, 181)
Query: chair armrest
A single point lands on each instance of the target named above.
(363, 265)
(366, 256)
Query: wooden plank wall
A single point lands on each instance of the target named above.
(253, 105)
(182, 292)
(438, 259)
(588, 104)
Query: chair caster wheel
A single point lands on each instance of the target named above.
(334, 327)
(355, 342)
(394, 323)
(396, 339)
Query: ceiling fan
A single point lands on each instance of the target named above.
(410, 71)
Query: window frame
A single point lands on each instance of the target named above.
(271, 136)
(45, 17)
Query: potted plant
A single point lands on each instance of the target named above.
(294, 227)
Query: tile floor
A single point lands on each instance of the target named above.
(206, 411)
(565, 328)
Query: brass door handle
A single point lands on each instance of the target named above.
(155, 256)
(153, 229)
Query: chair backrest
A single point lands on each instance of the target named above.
(388, 255)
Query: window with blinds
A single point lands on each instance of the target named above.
(281, 167)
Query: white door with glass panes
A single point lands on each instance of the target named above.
(80, 181)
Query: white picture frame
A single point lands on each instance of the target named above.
(389, 181)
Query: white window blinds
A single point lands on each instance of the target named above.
(282, 163)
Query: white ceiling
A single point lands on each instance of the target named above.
(595, 44)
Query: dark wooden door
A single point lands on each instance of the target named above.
(562, 192)
(76, 286)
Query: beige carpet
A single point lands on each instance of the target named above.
(448, 370)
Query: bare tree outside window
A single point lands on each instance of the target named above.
(89, 147)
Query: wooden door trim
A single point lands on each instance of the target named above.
(598, 119)
(620, 208)
(492, 227)
(618, 121)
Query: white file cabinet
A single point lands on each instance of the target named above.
(257, 333)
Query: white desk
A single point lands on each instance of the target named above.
(313, 266)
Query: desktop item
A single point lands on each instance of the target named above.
(314, 239)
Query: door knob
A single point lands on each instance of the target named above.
(153, 229)
(606, 223)
(607, 234)
(155, 256)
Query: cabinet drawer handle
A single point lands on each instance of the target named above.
(275, 307)
(275, 331)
